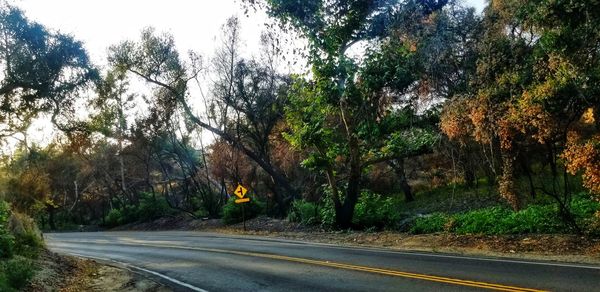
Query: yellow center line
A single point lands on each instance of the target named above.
(426, 277)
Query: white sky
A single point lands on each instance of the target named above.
(195, 25)
(101, 23)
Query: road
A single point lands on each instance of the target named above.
(197, 261)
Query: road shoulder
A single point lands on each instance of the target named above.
(66, 273)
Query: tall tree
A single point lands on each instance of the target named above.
(253, 95)
(41, 72)
(354, 112)
(537, 76)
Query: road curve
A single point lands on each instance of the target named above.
(197, 261)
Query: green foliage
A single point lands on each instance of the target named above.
(232, 212)
(304, 212)
(113, 218)
(16, 272)
(327, 211)
(487, 220)
(28, 244)
(152, 207)
(430, 224)
(501, 220)
(7, 240)
(148, 209)
(376, 211)
(7, 244)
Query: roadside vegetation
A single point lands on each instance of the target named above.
(20, 245)
(416, 116)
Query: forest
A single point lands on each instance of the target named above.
(416, 115)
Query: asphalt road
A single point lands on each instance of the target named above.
(196, 261)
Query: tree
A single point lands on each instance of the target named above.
(253, 96)
(42, 72)
(536, 77)
(350, 114)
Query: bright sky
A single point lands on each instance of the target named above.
(101, 23)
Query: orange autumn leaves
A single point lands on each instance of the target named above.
(583, 155)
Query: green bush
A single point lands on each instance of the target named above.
(7, 240)
(149, 208)
(232, 212)
(487, 220)
(375, 211)
(113, 218)
(501, 220)
(28, 244)
(435, 222)
(152, 207)
(533, 219)
(7, 243)
(304, 212)
(17, 272)
(327, 211)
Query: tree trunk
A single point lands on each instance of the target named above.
(345, 211)
(51, 221)
(398, 167)
(507, 186)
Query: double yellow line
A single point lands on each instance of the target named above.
(446, 280)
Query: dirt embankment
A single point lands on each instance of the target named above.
(66, 274)
(557, 247)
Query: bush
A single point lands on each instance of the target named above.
(113, 218)
(28, 244)
(17, 272)
(27, 237)
(375, 211)
(487, 220)
(152, 207)
(149, 208)
(500, 220)
(232, 212)
(435, 222)
(533, 219)
(7, 243)
(327, 211)
(304, 212)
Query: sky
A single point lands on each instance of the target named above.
(101, 23)
(195, 25)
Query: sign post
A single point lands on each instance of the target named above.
(241, 191)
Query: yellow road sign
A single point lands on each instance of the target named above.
(240, 191)
(244, 200)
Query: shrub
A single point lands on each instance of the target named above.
(533, 219)
(152, 207)
(113, 218)
(27, 237)
(429, 224)
(327, 212)
(232, 212)
(485, 220)
(304, 212)
(7, 243)
(28, 244)
(375, 211)
(18, 271)
(149, 208)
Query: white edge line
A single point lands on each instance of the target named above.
(180, 283)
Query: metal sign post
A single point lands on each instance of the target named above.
(241, 191)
